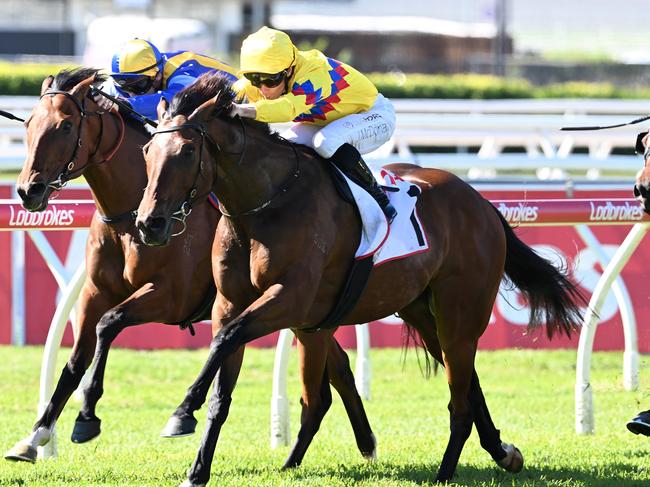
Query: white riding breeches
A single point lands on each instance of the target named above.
(366, 131)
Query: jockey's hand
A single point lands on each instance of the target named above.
(244, 110)
(103, 102)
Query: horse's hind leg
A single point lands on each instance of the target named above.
(341, 377)
(91, 307)
(462, 304)
(419, 316)
(507, 456)
(316, 397)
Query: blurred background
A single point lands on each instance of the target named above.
(543, 42)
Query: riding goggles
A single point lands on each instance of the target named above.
(137, 85)
(268, 80)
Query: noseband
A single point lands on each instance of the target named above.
(69, 172)
(186, 207)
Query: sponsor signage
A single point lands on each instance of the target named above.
(609, 213)
(53, 216)
(59, 215)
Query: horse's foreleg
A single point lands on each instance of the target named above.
(141, 307)
(341, 377)
(270, 312)
(316, 397)
(90, 308)
(218, 408)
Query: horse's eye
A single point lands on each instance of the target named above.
(188, 151)
(66, 126)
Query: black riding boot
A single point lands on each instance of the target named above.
(348, 160)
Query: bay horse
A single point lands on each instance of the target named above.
(283, 249)
(130, 283)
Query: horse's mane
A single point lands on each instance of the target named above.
(66, 79)
(210, 85)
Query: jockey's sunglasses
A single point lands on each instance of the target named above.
(268, 80)
(134, 84)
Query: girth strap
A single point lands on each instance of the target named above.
(347, 300)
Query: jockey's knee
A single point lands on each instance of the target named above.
(326, 146)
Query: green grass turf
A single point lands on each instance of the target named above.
(530, 395)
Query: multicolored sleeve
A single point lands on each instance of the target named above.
(284, 109)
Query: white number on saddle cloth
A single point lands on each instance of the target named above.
(405, 236)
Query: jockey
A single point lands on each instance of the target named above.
(335, 109)
(142, 74)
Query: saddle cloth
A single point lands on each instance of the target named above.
(405, 236)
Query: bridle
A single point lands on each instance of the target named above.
(186, 207)
(69, 172)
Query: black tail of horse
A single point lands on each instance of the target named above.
(552, 297)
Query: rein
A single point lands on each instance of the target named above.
(186, 207)
(10, 116)
(283, 189)
(603, 127)
(69, 172)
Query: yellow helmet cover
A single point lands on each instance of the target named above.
(266, 51)
(137, 56)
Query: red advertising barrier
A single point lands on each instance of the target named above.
(60, 215)
(523, 206)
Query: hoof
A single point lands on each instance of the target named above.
(178, 427)
(22, 452)
(187, 483)
(85, 430)
(290, 464)
(371, 456)
(513, 461)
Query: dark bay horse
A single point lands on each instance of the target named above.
(282, 253)
(130, 283)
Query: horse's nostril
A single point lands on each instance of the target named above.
(157, 223)
(31, 192)
(637, 193)
(36, 189)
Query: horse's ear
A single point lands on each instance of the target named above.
(161, 109)
(81, 89)
(47, 82)
(202, 111)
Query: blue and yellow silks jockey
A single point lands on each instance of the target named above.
(142, 74)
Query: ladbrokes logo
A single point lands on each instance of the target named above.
(603, 212)
(52, 217)
(519, 213)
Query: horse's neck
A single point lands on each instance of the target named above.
(243, 184)
(118, 184)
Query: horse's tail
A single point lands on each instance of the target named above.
(552, 297)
